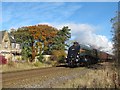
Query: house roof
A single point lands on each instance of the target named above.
(12, 40)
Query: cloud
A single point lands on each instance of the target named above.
(22, 14)
(33, 13)
(85, 34)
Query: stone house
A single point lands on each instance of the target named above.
(8, 45)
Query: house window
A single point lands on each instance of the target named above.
(13, 45)
(6, 44)
(17, 46)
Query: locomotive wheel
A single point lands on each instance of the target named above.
(71, 64)
(87, 62)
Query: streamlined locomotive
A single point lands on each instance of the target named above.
(84, 55)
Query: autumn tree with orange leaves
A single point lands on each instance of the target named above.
(41, 39)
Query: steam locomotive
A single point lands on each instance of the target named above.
(84, 55)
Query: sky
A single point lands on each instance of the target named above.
(89, 21)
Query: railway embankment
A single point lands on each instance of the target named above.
(16, 66)
(102, 75)
(98, 76)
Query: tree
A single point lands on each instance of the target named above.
(43, 36)
(60, 40)
(27, 51)
(116, 36)
(21, 34)
(116, 40)
(23, 37)
(41, 39)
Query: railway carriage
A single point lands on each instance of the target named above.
(102, 56)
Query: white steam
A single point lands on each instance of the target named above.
(85, 34)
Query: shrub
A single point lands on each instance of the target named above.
(58, 55)
(11, 64)
(54, 63)
(18, 58)
(48, 62)
(37, 64)
(40, 57)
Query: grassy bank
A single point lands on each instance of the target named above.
(95, 78)
(13, 66)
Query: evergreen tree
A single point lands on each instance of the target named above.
(60, 40)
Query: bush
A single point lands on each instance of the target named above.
(58, 55)
(37, 64)
(40, 57)
(18, 58)
(54, 63)
(48, 62)
(11, 64)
